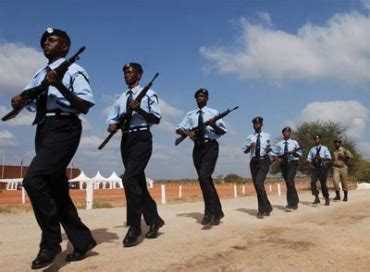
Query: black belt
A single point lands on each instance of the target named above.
(136, 129)
(260, 158)
(292, 162)
(205, 140)
(59, 114)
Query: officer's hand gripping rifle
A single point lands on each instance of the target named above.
(33, 93)
(284, 158)
(217, 117)
(125, 118)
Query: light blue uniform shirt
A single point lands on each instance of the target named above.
(149, 104)
(75, 80)
(252, 138)
(190, 121)
(324, 153)
(278, 149)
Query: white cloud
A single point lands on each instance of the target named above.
(265, 18)
(18, 63)
(336, 51)
(169, 110)
(231, 129)
(85, 122)
(6, 138)
(289, 123)
(90, 142)
(351, 114)
(364, 148)
(167, 126)
(106, 110)
(366, 4)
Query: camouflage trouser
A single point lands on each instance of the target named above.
(340, 174)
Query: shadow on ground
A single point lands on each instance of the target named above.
(195, 215)
(100, 235)
(251, 212)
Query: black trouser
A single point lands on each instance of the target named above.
(319, 173)
(136, 149)
(259, 169)
(204, 158)
(289, 171)
(47, 185)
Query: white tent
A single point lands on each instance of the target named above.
(101, 182)
(115, 180)
(149, 182)
(12, 184)
(82, 179)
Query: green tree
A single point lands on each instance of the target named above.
(234, 178)
(363, 171)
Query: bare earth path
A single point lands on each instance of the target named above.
(334, 238)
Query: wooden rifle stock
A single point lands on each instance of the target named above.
(125, 118)
(217, 117)
(33, 93)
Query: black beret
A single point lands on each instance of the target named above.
(134, 65)
(57, 32)
(337, 141)
(201, 91)
(286, 129)
(257, 119)
(317, 136)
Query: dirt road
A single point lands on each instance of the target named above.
(334, 238)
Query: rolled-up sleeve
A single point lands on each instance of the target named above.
(310, 155)
(81, 87)
(221, 124)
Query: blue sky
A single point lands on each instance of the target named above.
(289, 61)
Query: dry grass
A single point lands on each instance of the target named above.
(14, 209)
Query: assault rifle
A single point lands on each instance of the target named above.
(33, 93)
(318, 161)
(195, 129)
(284, 158)
(125, 118)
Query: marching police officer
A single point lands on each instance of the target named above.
(319, 158)
(288, 151)
(57, 137)
(258, 145)
(205, 152)
(136, 150)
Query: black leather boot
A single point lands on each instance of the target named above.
(337, 196)
(345, 198)
(132, 236)
(316, 201)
